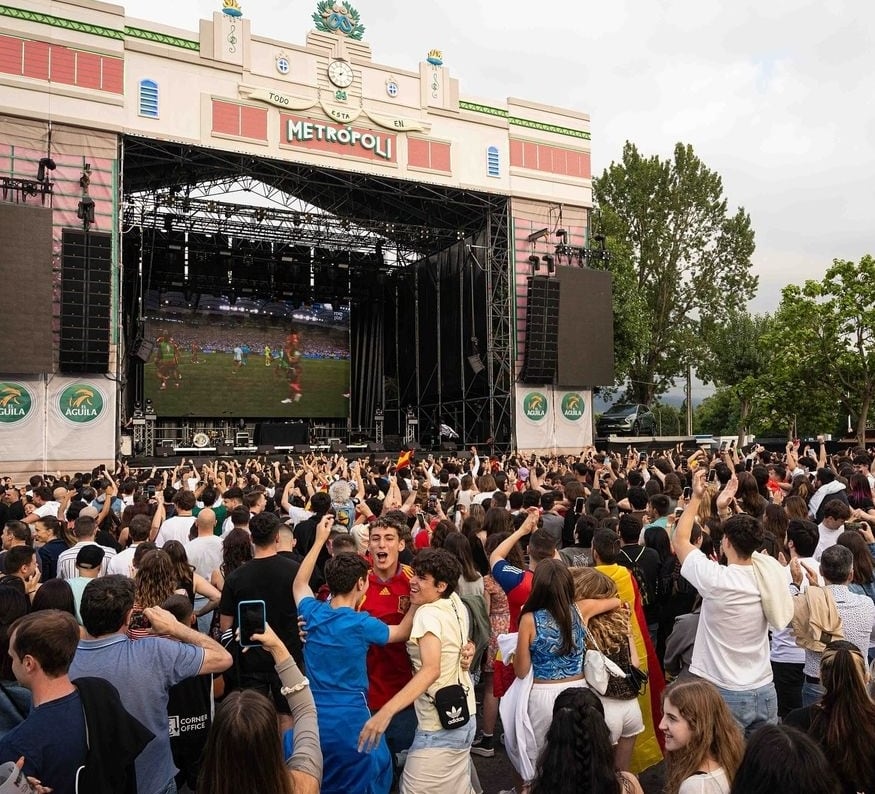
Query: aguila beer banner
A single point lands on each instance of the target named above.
(553, 420)
(56, 419)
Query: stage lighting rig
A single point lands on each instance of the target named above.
(538, 235)
(535, 262)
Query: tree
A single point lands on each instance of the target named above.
(823, 342)
(682, 258)
(735, 360)
(717, 414)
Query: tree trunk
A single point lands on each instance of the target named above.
(862, 419)
(744, 408)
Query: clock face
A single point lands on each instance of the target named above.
(340, 73)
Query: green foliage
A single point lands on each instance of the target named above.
(718, 414)
(734, 359)
(670, 420)
(679, 256)
(823, 346)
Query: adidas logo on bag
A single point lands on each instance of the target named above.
(454, 715)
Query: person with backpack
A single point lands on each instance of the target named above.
(644, 564)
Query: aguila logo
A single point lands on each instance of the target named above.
(573, 406)
(535, 406)
(15, 402)
(81, 403)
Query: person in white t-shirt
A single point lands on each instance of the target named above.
(123, 562)
(732, 640)
(204, 552)
(178, 527)
(835, 513)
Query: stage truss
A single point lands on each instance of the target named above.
(171, 187)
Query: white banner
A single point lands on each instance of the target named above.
(47, 424)
(80, 419)
(534, 418)
(554, 421)
(573, 411)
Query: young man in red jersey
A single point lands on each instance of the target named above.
(388, 599)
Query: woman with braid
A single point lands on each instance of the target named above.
(578, 757)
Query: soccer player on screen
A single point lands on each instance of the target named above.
(167, 361)
(291, 362)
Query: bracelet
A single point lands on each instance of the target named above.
(285, 691)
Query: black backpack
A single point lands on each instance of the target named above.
(647, 597)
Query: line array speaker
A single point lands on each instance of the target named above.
(542, 330)
(86, 301)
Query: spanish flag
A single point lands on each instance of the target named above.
(404, 459)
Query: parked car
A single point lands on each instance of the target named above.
(626, 419)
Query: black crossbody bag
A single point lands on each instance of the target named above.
(451, 701)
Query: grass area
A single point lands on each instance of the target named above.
(215, 388)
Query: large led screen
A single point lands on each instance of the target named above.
(246, 359)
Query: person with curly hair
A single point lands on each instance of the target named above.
(577, 757)
(236, 549)
(192, 583)
(155, 582)
(611, 633)
(703, 742)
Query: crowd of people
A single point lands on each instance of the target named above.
(712, 609)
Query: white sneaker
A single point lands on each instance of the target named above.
(298, 397)
(287, 401)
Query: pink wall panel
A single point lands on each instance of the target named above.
(418, 153)
(87, 70)
(10, 55)
(36, 60)
(63, 65)
(112, 78)
(440, 157)
(253, 123)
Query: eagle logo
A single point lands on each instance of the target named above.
(9, 394)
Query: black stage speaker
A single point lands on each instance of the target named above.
(449, 446)
(86, 301)
(392, 442)
(163, 451)
(224, 450)
(302, 449)
(337, 447)
(266, 449)
(374, 446)
(542, 330)
(586, 328)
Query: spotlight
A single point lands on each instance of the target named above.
(561, 234)
(45, 164)
(600, 239)
(551, 263)
(535, 262)
(85, 212)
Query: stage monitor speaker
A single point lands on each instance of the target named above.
(586, 328)
(375, 446)
(542, 332)
(163, 451)
(224, 450)
(302, 449)
(86, 301)
(26, 296)
(266, 449)
(448, 446)
(337, 447)
(391, 442)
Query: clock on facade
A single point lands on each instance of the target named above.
(340, 73)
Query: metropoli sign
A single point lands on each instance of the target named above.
(338, 139)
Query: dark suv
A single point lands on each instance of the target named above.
(626, 419)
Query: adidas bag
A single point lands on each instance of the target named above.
(451, 703)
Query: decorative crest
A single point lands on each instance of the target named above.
(338, 17)
(232, 8)
(435, 57)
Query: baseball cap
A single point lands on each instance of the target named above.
(90, 557)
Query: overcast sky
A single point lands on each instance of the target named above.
(777, 96)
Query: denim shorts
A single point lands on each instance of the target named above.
(456, 739)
